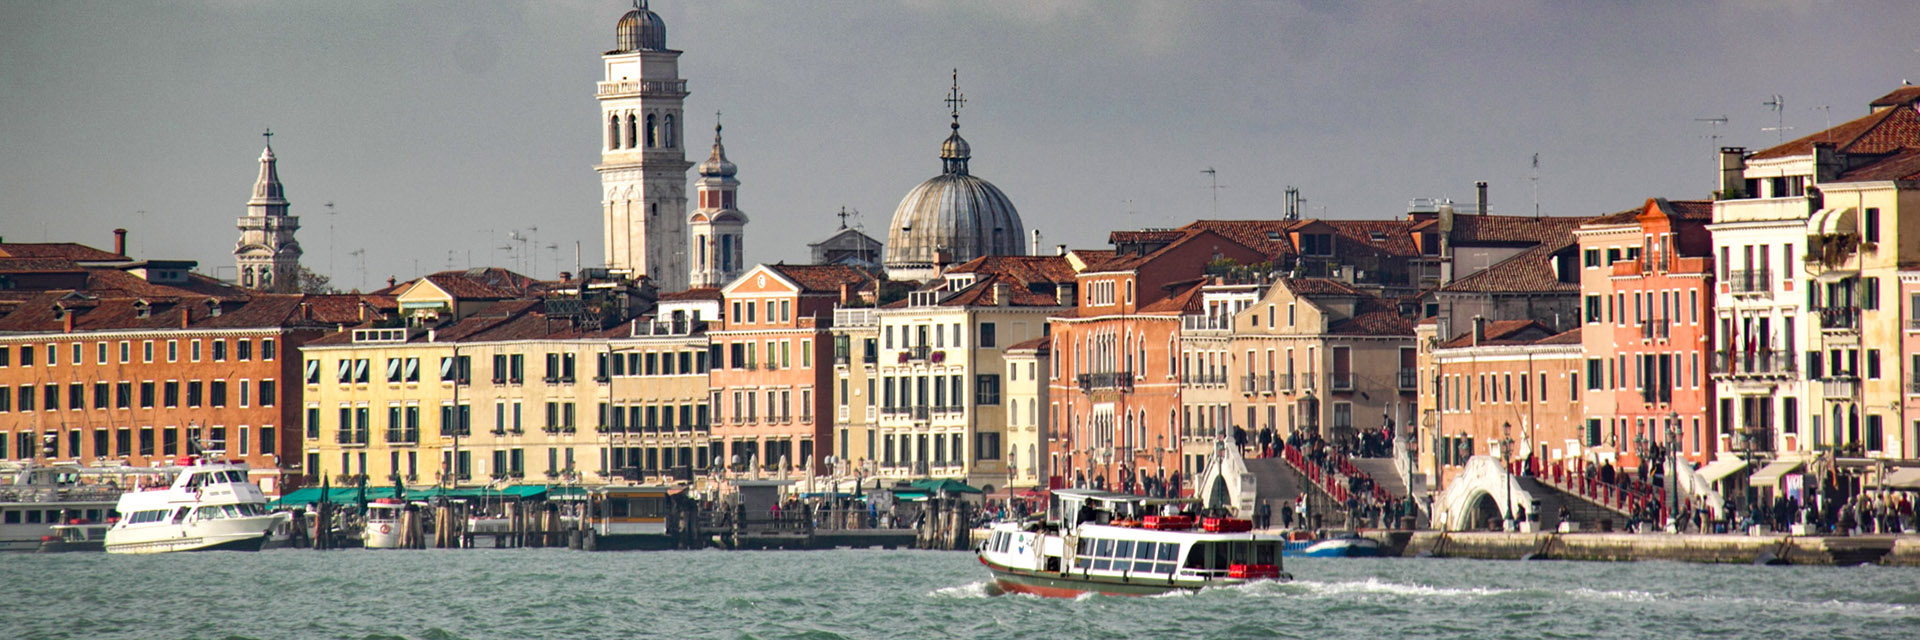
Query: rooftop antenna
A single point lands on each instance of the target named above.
(1828, 110)
(330, 216)
(1214, 176)
(1293, 203)
(1779, 106)
(362, 255)
(1713, 136)
(1536, 185)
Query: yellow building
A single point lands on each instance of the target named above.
(1315, 356)
(856, 359)
(1027, 429)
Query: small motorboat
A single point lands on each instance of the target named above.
(383, 524)
(1348, 546)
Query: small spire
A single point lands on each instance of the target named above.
(716, 128)
(955, 99)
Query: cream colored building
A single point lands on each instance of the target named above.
(856, 385)
(1027, 429)
(1315, 356)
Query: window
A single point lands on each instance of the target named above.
(170, 394)
(986, 446)
(1870, 298)
(267, 353)
(217, 393)
(987, 338)
(1873, 364)
(1871, 226)
(986, 389)
(1593, 308)
(146, 395)
(243, 350)
(219, 350)
(1591, 258)
(268, 393)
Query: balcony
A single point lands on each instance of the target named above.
(1342, 382)
(841, 359)
(1309, 381)
(1757, 364)
(1195, 324)
(1750, 281)
(1407, 379)
(669, 327)
(1655, 330)
(1199, 379)
(1840, 318)
(1121, 381)
(920, 413)
(916, 354)
(1839, 387)
(402, 436)
(1913, 388)
(855, 317)
(352, 438)
(650, 88)
(1283, 382)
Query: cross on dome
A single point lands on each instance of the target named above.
(955, 99)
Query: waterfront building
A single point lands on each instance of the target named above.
(944, 410)
(856, 396)
(718, 226)
(1508, 389)
(1909, 367)
(952, 217)
(643, 168)
(772, 361)
(1207, 391)
(1646, 281)
(1319, 358)
(500, 393)
(107, 360)
(1114, 388)
(267, 256)
(1028, 434)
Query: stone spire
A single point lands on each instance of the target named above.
(717, 228)
(267, 257)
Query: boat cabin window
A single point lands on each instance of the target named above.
(10, 517)
(181, 515)
(648, 507)
(34, 516)
(1143, 557)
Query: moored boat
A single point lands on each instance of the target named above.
(1348, 546)
(1100, 542)
(208, 506)
(36, 498)
(383, 524)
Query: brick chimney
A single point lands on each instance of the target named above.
(120, 241)
(1002, 294)
(1479, 330)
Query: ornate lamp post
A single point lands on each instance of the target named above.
(1506, 457)
(1673, 468)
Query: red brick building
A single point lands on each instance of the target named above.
(1115, 388)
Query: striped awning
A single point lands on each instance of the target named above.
(1836, 221)
(1719, 469)
(1904, 478)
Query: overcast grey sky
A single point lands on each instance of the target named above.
(437, 127)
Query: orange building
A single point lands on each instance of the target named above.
(1508, 389)
(1115, 388)
(1647, 313)
(774, 365)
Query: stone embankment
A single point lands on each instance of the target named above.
(1901, 550)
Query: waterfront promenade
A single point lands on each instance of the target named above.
(1891, 550)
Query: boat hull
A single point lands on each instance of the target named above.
(1054, 585)
(1340, 548)
(233, 534)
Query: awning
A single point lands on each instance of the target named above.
(945, 485)
(1905, 478)
(1719, 469)
(1837, 221)
(1769, 475)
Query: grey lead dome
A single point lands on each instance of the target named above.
(641, 30)
(955, 213)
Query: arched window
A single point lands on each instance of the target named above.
(700, 250)
(613, 131)
(246, 277)
(668, 139)
(653, 132)
(633, 131)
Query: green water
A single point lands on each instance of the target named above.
(911, 594)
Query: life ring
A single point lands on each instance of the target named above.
(386, 528)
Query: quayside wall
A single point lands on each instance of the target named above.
(1628, 547)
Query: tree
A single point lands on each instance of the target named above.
(310, 281)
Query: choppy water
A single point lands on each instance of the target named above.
(908, 594)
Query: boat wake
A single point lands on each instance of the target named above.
(981, 589)
(1370, 586)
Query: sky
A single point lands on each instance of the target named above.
(440, 129)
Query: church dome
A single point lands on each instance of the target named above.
(953, 217)
(641, 30)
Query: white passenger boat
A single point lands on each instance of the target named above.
(1100, 542)
(208, 506)
(383, 524)
(35, 498)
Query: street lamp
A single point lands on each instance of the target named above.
(1506, 457)
(1673, 468)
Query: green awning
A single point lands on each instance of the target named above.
(944, 485)
(312, 495)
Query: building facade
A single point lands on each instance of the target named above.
(773, 366)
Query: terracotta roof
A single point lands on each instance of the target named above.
(1187, 301)
(1124, 262)
(980, 293)
(484, 283)
(822, 278)
(1510, 230)
(93, 313)
(1311, 287)
(1095, 259)
(61, 250)
(1396, 236)
(1374, 317)
(39, 265)
(1570, 336)
(1892, 126)
(1530, 271)
(1693, 210)
(1269, 237)
(1144, 236)
(1026, 269)
(1903, 165)
(1505, 332)
(698, 293)
(1041, 344)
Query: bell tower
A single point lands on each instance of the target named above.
(267, 256)
(643, 167)
(718, 227)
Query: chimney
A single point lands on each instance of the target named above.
(1480, 188)
(186, 315)
(1733, 170)
(1063, 294)
(1002, 294)
(120, 241)
(66, 319)
(1479, 330)
(1060, 250)
(846, 294)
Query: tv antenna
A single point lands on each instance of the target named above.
(1535, 178)
(1713, 136)
(330, 250)
(1215, 187)
(362, 255)
(1779, 106)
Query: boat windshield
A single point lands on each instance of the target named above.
(219, 511)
